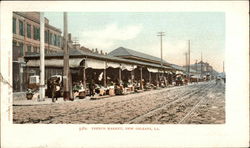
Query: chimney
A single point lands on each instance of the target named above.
(96, 51)
(101, 52)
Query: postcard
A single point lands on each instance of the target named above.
(124, 74)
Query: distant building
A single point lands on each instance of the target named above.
(26, 40)
(78, 46)
(26, 34)
(202, 68)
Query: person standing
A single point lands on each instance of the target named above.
(91, 87)
(53, 90)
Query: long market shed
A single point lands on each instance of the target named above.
(80, 60)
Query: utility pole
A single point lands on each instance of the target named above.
(66, 93)
(196, 69)
(42, 66)
(223, 67)
(196, 66)
(161, 34)
(189, 59)
(201, 65)
(186, 55)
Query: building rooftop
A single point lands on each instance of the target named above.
(125, 52)
(83, 54)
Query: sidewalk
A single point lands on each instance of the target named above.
(47, 101)
(19, 95)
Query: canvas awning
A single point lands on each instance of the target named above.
(95, 64)
(168, 72)
(113, 65)
(160, 71)
(195, 76)
(55, 62)
(179, 72)
(152, 70)
(128, 67)
(123, 66)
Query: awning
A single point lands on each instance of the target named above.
(113, 65)
(128, 67)
(160, 71)
(179, 72)
(152, 70)
(123, 66)
(95, 64)
(195, 76)
(55, 62)
(168, 72)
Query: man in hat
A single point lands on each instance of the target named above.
(54, 89)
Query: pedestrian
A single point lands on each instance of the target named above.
(54, 90)
(91, 87)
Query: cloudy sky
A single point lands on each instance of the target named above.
(138, 31)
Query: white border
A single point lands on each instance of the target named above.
(233, 133)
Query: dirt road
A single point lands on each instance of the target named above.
(195, 103)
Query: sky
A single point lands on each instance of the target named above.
(138, 31)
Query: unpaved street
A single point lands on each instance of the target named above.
(195, 103)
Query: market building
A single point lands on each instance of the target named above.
(104, 69)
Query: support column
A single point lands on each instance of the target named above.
(84, 77)
(132, 75)
(105, 75)
(21, 77)
(141, 78)
(164, 78)
(158, 78)
(149, 77)
(120, 75)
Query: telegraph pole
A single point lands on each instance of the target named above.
(42, 66)
(223, 67)
(196, 69)
(66, 93)
(196, 66)
(186, 55)
(189, 59)
(201, 65)
(161, 34)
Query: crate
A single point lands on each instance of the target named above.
(102, 92)
(111, 91)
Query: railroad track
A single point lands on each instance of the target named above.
(132, 98)
(178, 98)
(202, 101)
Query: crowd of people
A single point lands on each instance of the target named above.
(117, 87)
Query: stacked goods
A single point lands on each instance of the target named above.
(111, 91)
